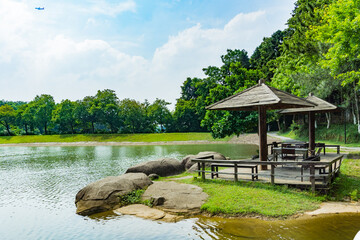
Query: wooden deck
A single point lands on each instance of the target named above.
(316, 175)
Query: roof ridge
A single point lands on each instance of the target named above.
(268, 89)
(232, 96)
(292, 95)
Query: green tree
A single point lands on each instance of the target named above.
(85, 113)
(265, 54)
(340, 32)
(133, 116)
(106, 109)
(44, 105)
(25, 117)
(160, 114)
(64, 115)
(7, 116)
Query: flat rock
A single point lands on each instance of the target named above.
(179, 197)
(336, 207)
(146, 212)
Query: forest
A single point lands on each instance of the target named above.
(318, 52)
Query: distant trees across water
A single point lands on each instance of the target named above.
(102, 113)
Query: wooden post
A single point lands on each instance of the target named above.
(263, 151)
(199, 168)
(311, 130)
(312, 177)
(203, 171)
(235, 172)
(272, 174)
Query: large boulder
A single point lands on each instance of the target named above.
(103, 195)
(179, 197)
(187, 163)
(162, 167)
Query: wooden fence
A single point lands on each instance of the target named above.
(327, 170)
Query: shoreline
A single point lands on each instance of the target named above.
(241, 139)
(82, 144)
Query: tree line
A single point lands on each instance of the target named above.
(102, 113)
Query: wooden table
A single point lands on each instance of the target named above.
(302, 151)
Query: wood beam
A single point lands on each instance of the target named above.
(263, 151)
(311, 130)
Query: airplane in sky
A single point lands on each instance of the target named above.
(40, 8)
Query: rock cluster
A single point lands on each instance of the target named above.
(103, 195)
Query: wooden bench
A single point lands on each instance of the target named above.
(215, 169)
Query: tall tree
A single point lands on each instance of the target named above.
(64, 115)
(25, 117)
(340, 31)
(133, 116)
(7, 116)
(44, 105)
(106, 108)
(160, 114)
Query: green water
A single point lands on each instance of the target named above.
(38, 187)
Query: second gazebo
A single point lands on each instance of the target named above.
(261, 98)
(322, 107)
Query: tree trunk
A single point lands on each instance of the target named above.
(92, 127)
(26, 129)
(328, 119)
(8, 129)
(278, 123)
(357, 107)
(353, 113)
(45, 128)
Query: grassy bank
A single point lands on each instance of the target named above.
(253, 198)
(347, 185)
(151, 137)
(334, 135)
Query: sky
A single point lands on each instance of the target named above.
(141, 49)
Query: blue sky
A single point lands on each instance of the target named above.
(141, 49)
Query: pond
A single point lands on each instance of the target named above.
(38, 187)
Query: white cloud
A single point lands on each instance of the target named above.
(36, 60)
(102, 7)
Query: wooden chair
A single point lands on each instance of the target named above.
(288, 154)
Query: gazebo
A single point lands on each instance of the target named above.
(322, 106)
(261, 98)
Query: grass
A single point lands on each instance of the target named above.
(347, 185)
(251, 198)
(333, 135)
(150, 137)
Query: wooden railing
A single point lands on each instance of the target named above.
(278, 144)
(330, 169)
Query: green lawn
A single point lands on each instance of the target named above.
(151, 137)
(347, 185)
(249, 198)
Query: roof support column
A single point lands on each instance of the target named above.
(263, 151)
(311, 130)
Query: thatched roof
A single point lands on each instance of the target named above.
(321, 106)
(260, 95)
